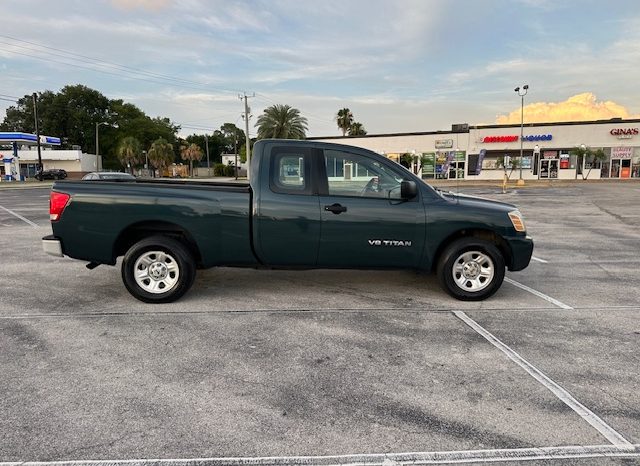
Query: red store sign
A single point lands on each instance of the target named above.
(500, 139)
(624, 132)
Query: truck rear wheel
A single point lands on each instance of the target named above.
(158, 269)
(471, 269)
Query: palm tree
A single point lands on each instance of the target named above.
(585, 154)
(283, 122)
(357, 129)
(191, 152)
(129, 152)
(344, 118)
(160, 154)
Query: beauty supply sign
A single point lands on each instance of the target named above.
(621, 152)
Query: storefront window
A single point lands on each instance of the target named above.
(428, 161)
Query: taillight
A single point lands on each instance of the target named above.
(57, 203)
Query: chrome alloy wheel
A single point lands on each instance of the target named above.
(156, 272)
(473, 271)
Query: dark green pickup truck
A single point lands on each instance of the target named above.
(308, 205)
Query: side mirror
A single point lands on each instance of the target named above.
(408, 189)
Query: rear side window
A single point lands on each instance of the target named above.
(290, 170)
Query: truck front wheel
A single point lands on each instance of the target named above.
(471, 269)
(158, 269)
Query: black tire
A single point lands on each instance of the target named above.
(471, 269)
(160, 257)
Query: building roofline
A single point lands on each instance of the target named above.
(516, 125)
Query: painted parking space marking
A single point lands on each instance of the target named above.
(375, 459)
(15, 214)
(537, 259)
(547, 298)
(605, 429)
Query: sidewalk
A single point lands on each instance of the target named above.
(25, 184)
(528, 183)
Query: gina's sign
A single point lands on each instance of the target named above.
(624, 133)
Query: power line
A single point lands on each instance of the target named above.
(128, 69)
(130, 72)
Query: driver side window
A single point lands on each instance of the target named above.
(358, 176)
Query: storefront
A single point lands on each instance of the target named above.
(550, 151)
(620, 164)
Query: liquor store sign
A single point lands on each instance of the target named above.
(514, 138)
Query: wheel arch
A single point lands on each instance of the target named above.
(479, 233)
(140, 230)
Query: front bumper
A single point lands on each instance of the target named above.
(521, 251)
(52, 246)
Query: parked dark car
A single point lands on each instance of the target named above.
(110, 176)
(53, 174)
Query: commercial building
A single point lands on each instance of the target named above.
(483, 152)
(20, 158)
(75, 162)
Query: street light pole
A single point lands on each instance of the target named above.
(521, 92)
(146, 162)
(98, 144)
(35, 116)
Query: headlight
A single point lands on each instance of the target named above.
(517, 221)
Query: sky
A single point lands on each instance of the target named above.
(399, 65)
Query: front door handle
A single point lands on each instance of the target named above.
(335, 208)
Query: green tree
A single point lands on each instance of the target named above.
(72, 114)
(161, 154)
(357, 129)
(344, 119)
(233, 137)
(191, 152)
(129, 152)
(281, 121)
(511, 163)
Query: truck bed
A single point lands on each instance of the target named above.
(103, 217)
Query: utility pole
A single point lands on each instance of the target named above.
(235, 152)
(246, 117)
(206, 143)
(35, 116)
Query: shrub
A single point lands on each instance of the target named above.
(229, 170)
(218, 169)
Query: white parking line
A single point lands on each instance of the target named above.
(554, 301)
(376, 459)
(605, 429)
(19, 216)
(537, 259)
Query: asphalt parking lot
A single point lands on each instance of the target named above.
(331, 367)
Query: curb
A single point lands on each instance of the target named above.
(23, 185)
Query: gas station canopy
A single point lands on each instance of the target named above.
(27, 138)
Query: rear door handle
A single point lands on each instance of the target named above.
(335, 208)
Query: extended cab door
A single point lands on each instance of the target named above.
(287, 221)
(365, 223)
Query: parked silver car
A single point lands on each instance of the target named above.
(109, 176)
